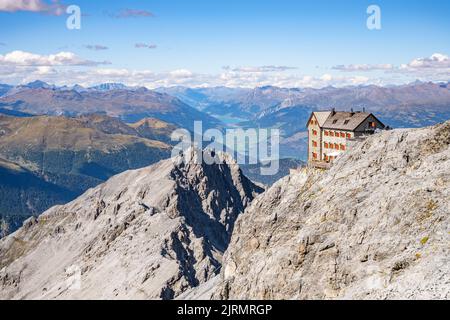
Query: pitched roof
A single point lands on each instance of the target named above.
(321, 116)
(345, 120)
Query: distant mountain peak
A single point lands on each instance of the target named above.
(38, 84)
(109, 86)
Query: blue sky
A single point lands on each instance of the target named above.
(226, 42)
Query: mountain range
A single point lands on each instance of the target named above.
(416, 104)
(73, 138)
(58, 158)
(405, 106)
(128, 105)
(257, 103)
(374, 226)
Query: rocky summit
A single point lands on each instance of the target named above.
(375, 226)
(151, 233)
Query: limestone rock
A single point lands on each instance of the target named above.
(151, 233)
(375, 226)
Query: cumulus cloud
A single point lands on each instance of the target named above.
(270, 68)
(96, 47)
(133, 13)
(179, 77)
(141, 45)
(54, 8)
(181, 73)
(363, 67)
(22, 58)
(435, 61)
(22, 68)
(433, 68)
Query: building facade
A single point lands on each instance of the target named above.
(330, 131)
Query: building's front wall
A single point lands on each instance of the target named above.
(314, 140)
(334, 143)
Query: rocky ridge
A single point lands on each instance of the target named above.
(151, 233)
(375, 226)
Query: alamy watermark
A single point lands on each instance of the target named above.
(374, 19)
(73, 22)
(247, 146)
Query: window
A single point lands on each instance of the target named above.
(331, 146)
(314, 132)
(342, 135)
(325, 157)
(336, 134)
(314, 155)
(335, 121)
(326, 145)
(336, 146)
(349, 135)
(346, 122)
(372, 124)
(343, 147)
(314, 143)
(326, 133)
(332, 133)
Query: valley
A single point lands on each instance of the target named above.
(70, 139)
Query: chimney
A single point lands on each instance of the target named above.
(352, 113)
(364, 109)
(333, 111)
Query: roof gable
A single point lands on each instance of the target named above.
(321, 117)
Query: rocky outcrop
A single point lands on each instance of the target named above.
(150, 233)
(375, 226)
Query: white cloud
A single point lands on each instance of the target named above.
(22, 58)
(259, 69)
(181, 73)
(363, 67)
(112, 72)
(32, 6)
(433, 68)
(22, 67)
(181, 77)
(435, 61)
(45, 70)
